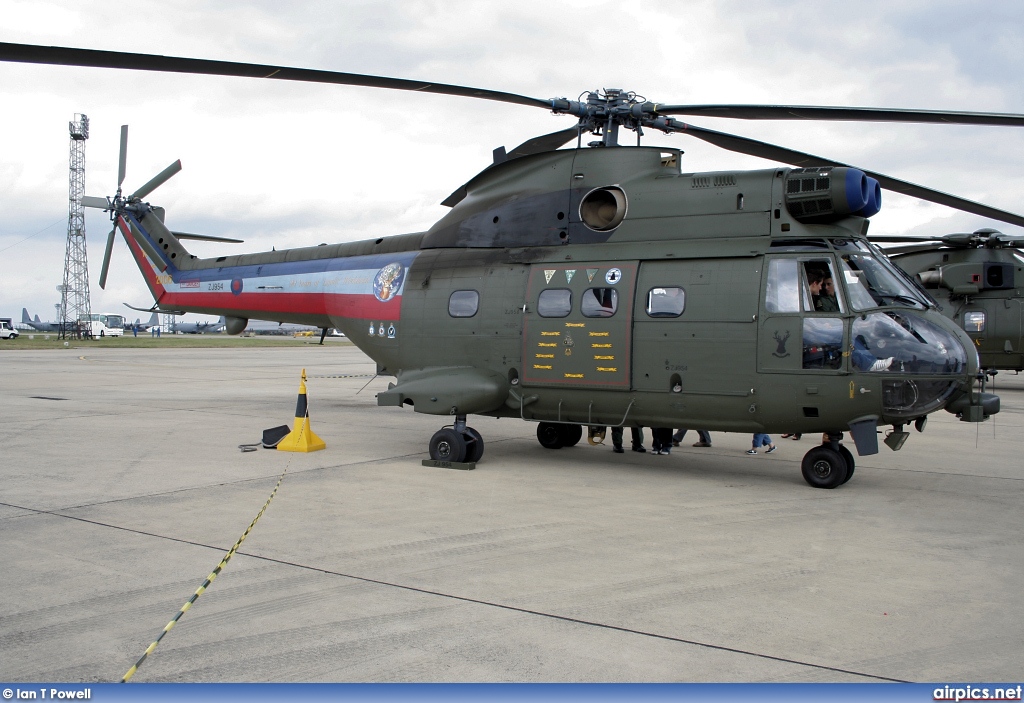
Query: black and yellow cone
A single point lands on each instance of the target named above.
(301, 438)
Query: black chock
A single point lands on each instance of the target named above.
(273, 436)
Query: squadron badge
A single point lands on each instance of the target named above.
(388, 282)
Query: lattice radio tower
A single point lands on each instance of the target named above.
(74, 299)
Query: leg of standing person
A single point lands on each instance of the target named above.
(638, 439)
(664, 439)
(678, 437)
(617, 440)
(755, 443)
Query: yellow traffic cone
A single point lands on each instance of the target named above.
(301, 438)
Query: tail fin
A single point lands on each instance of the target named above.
(25, 319)
(154, 320)
(157, 252)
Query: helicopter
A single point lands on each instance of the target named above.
(977, 280)
(602, 285)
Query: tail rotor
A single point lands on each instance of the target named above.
(118, 205)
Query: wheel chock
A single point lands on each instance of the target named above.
(438, 464)
(301, 438)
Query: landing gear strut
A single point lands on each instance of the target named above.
(829, 465)
(457, 444)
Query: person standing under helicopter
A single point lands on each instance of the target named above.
(637, 437)
(704, 441)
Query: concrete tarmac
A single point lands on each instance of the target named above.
(122, 486)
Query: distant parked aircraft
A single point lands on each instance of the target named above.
(282, 328)
(154, 321)
(197, 327)
(36, 324)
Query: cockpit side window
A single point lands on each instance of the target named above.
(820, 292)
(783, 291)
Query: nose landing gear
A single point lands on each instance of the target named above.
(457, 444)
(829, 465)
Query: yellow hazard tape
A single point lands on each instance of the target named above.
(209, 579)
(206, 583)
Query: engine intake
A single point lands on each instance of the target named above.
(831, 193)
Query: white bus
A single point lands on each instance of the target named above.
(102, 325)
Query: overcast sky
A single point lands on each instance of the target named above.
(289, 165)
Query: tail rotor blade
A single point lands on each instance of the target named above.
(93, 201)
(106, 258)
(122, 159)
(156, 181)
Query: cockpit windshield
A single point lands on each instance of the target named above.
(871, 284)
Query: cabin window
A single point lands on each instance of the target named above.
(974, 321)
(666, 301)
(463, 303)
(599, 302)
(554, 302)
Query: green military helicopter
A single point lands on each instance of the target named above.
(602, 285)
(977, 280)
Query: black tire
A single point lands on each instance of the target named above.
(571, 435)
(102, 333)
(549, 435)
(474, 445)
(851, 465)
(823, 467)
(448, 445)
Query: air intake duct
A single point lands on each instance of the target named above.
(830, 193)
(874, 203)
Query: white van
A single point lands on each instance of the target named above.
(7, 330)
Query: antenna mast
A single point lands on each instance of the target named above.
(74, 300)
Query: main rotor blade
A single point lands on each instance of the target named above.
(206, 237)
(122, 159)
(801, 159)
(93, 201)
(157, 181)
(65, 56)
(849, 114)
(896, 238)
(106, 257)
(911, 248)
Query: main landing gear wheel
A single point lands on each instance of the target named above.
(448, 445)
(571, 435)
(555, 435)
(474, 445)
(824, 467)
(550, 435)
(850, 464)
